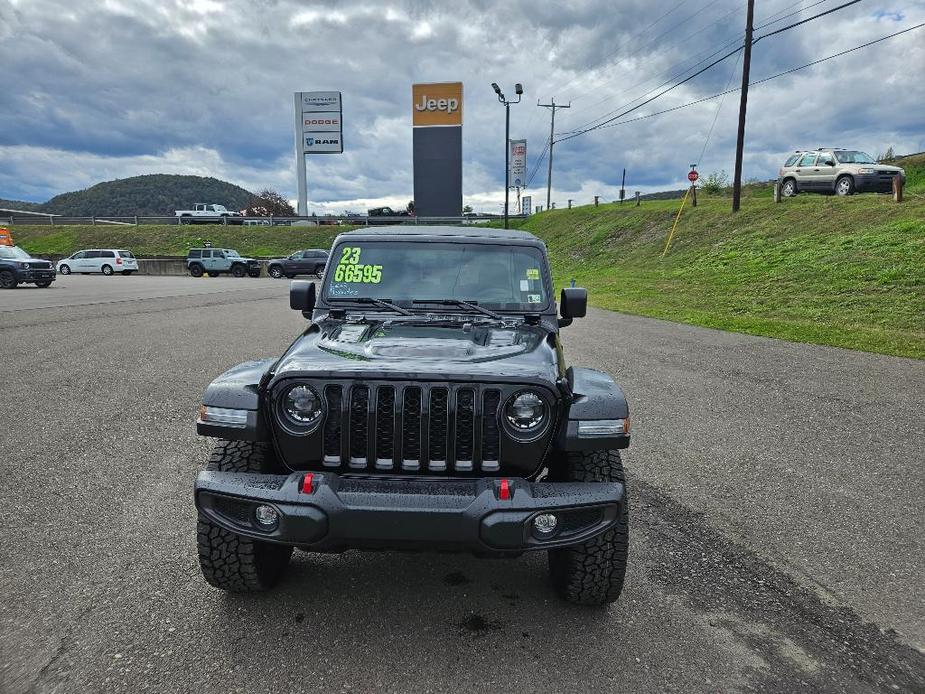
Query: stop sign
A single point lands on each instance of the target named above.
(693, 176)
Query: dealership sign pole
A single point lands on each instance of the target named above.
(318, 130)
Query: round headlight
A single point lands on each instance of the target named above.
(302, 406)
(526, 412)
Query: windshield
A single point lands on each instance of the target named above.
(504, 277)
(853, 157)
(13, 253)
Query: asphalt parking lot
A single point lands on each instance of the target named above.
(778, 533)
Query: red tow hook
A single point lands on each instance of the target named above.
(504, 493)
(307, 487)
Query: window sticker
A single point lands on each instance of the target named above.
(350, 270)
(533, 273)
(534, 299)
(525, 285)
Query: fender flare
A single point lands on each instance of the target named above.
(594, 396)
(238, 389)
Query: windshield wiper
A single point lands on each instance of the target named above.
(459, 302)
(381, 303)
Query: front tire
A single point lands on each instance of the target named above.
(65, 269)
(238, 271)
(230, 561)
(592, 573)
(8, 280)
(107, 270)
(844, 186)
(275, 271)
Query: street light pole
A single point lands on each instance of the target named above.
(519, 90)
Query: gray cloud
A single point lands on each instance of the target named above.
(120, 87)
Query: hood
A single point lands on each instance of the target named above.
(885, 167)
(417, 348)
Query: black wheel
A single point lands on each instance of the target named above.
(230, 561)
(213, 274)
(788, 188)
(43, 285)
(65, 269)
(844, 186)
(592, 573)
(195, 270)
(275, 271)
(8, 280)
(107, 270)
(238, 271)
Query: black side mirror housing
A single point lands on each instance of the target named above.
(573, 303)
(830, 163)
(302, 296)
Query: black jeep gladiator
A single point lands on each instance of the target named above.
(427, 405)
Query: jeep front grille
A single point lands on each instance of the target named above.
(412, 428)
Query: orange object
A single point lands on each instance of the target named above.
(6, 237)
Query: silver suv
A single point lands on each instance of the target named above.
(831, 170)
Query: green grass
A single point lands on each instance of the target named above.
(147, 240)
(845, 272)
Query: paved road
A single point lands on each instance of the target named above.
(777, 538)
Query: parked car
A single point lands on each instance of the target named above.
(308, 262)
(18, 267)
(427, 404)
(217, 261)
(105, 260)
(209, 212)
(831, 170)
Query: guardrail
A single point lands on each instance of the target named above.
(333, 220)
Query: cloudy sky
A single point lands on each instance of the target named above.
(97, 90)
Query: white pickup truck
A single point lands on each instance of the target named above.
(206, 212)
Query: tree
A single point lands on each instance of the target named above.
(410, 208)
(269, 203)
(467, 209)
(715, 183)
(888, 155)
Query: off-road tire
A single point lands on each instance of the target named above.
(65, 269)
(230, 561)
(592, 573)
(275, 271)
(238, 270)
(196, 270)
(106, 270)
(8, 280)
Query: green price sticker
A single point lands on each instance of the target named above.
(533, 273)
(349, 268)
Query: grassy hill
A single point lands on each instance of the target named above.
(150, 195)
(840, 271)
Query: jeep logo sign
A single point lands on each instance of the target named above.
(436, 104)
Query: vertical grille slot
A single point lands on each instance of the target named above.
(411, 428)
(491, 436)
(332, 428)
(436, 445)
(359, 406)
(465, 421)
(385, 413)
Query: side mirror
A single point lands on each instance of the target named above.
(830, 163)
(302, 296)
(573, 303)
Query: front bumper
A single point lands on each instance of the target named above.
(40, 275)
(343, 512)
(875, 183)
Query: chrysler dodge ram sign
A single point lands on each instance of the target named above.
(319, 129)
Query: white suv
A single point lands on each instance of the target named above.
(105, 260)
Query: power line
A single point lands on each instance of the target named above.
(763, 80)
(536, 165)
(808, 19)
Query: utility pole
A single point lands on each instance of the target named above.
(743, 103)
(552, 128)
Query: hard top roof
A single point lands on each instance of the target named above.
(444, 230)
